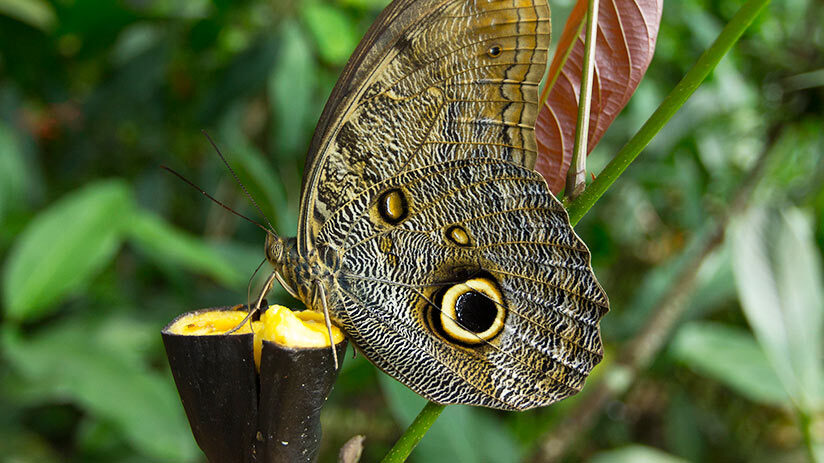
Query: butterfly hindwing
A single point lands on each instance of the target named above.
(400, 246)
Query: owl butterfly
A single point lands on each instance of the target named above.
(424, 230)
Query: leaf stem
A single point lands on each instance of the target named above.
(576, 174)
(671, 104)
(414, 433)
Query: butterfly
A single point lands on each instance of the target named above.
(425, 233)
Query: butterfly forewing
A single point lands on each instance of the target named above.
(433, 80)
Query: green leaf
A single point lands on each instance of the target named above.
(261, 180)
(731, 356)
(69, 363)
(334, 33)
(35, 13)
(291, 89)
(365, 4)
(796, 156)
(635, 454)
(455, 436)
(167, 244)
(13, 173)
(22, 446)
(134, 41)
(64, 247)
(713, 286)
(778, 275)
(245, 75)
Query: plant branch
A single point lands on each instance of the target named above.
(671, 104)
(414, 433)
(581, 205)
(805, 423)
(576, 174)
(646, 344)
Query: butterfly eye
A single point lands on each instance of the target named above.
(472, 312)
(393, 206)
(494, 51)
(274, 248)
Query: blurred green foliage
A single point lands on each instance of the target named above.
(100, 248)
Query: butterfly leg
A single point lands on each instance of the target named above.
(286, 286)
(266, 287)
(252, 309)
(328, 324)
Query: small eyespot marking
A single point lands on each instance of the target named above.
(457, 235)
(494, 51)
(393, 206)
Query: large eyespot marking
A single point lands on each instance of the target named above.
(457, 235)
(471, 312)
(393, 206)
(474, 311)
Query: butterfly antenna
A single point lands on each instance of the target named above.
(180, 176)
(237, 179)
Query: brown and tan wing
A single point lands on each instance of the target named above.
(432, 81)
(473, 290)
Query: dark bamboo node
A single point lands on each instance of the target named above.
(255, 395)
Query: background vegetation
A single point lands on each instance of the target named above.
(100, 248)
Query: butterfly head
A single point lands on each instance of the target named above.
(275, 248)
(293, 272)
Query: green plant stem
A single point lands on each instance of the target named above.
(581, 205)
(414, 433)
(805, 422)
(576, 174)
(646, 343)
(671, 104)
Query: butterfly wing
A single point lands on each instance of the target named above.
(432, 80)
(458, 221)
(453, 268)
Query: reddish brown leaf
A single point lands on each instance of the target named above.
(627, 30)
